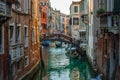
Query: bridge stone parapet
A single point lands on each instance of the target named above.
(59, 37)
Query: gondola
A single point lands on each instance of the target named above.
(58, 45)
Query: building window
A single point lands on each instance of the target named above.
(26, 6)
(11, 34)
(43, 3)
(75, 9)
(70, 21)
(21, 51)
(1, 39)
(13, 6)
(75, 21)
(26, 36)
(26, 61)
(13, 69)
(19, 6)
(18, 33)
(44, 15)
(18, 65)
(63, 19)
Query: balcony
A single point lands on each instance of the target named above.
(16, 53)
(85, 18)
(13, 54)
(110, 23)
(5, 9)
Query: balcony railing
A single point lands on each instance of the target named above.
(2, 7)
(110, 23)
(16, 54)
(5, 9)
(85, 18)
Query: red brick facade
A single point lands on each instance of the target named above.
(44, 15)
(16, 66)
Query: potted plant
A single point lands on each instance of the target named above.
(100, 11)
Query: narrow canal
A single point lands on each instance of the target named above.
(58, 66)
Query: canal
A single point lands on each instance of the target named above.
(57, 66)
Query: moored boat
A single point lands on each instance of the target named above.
(58, 45)
(72, 52)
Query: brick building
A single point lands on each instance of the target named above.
(19, 42)
(107, 50)
(5, 16)
(44, 7)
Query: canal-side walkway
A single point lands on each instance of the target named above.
(32, 73)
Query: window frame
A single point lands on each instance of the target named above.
(18, 34)
(75, 21)
(75, 9)
(26, 36)
(11, 38)
(26, 59)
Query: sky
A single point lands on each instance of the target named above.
(62, 5)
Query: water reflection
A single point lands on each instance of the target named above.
(61, 67)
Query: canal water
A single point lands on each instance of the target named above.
(58, 66)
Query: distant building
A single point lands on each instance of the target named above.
(44, 8)
(55, 21)
(59, 22)
(64, 23)
(67, 25)
(74, 19)
(83, 32)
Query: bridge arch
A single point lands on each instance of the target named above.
(59, 37)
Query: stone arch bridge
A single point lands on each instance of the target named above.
(59, 37)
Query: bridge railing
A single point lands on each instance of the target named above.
(59, 37)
